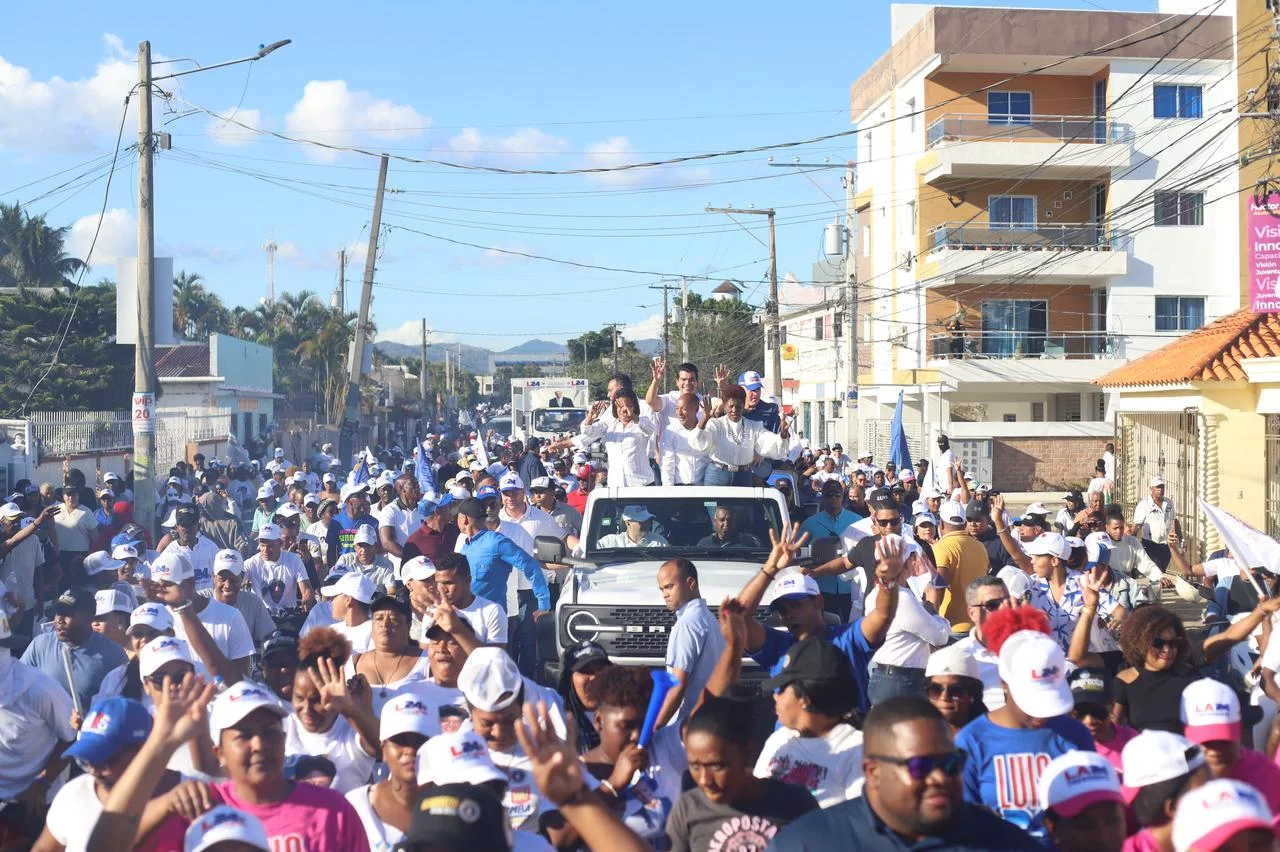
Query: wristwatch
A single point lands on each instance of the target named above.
(180, 608)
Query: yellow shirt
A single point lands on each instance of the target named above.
(965, 560)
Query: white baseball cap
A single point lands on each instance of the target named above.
(266, 491)
(1210, 711)
(328, 477)
(365, 534)
(287, 510)
(952, 661)
(511, 482)
(109, 476)
(228, 560)
(153, 615)
(311, 500)
(1034, 667)
(270, 532)
(407, 713)
(1157, 482)
(1075, 780)
(238, 701)
(354, 585)
(1016, 581)
(121, 552)
(795, 585)
(490, 680)
(1154, 756)
(112, 600)
(225, 824)
(9, 511)
(1209, 816)
(1037, 509)
(171, 568)
(636, 513)
(1048, 544)
(540, 483)
(161, 650)
(461, 757)
(279, 453)
(418, 568)
(952, 512)
(99, 562)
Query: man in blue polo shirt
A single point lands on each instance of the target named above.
(832, 519)
(798, 603)
(492, 556)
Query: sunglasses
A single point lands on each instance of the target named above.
(1159, 644)
(889, 522)
(157, 680)
(1084, 711)
(920, 768)
(939, 690)
(994, 604)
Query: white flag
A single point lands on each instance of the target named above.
(1250, 547)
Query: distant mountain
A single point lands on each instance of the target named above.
(535, 347)
(475, 359)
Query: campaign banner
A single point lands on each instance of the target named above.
(1264, 253)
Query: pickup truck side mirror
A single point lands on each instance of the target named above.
(548, 548)
(824, 549)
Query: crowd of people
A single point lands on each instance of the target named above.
(341, 655)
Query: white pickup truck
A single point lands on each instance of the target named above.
(610, 593)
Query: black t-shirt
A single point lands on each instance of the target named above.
(699, 824)
(997, 554)
(864, 554)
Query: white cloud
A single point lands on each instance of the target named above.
(329, 111)
(410, 333)
(64, 116)
(524, 146)
(647, 329)
(288, 251)
(611, 153)
(233, 135)
(118, 238)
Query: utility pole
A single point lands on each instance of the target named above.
(774, 334)
(351, 422)
(270, 248)
(422, 372)
(613, 331)
(684, 326)
(666, 334)
(342, 280)
(144, 375)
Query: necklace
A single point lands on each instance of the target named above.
(382, 693)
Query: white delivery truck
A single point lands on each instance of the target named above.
(547, 408)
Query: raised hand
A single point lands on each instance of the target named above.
(733, 622)
(997, 510)
(721, 374)
(184, 712)
(786, 546)
(327, 678)
(890, 559)
(1091, 585)
(190, 799)
(556, 768)
(633, 759)
(446, 617)
(659, 366)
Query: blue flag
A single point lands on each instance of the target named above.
(360, 473)
(422, 470)
(899, 452)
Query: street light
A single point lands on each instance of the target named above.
(144, 382)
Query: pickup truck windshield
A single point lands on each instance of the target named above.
(558, 419)
(681, 525)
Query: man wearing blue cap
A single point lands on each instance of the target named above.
(766, 414)
(92, 654)
(113, 731)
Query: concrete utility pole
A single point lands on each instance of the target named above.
(144, 374)
(342, 280)
(666, 333)
(684, 326)
(351, 421)
(422, 371)
(774, 334)
(613, 329)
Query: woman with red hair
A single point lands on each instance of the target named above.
(1009, 747)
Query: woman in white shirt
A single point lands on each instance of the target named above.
(626, 439)
(897, 667)
(76, 526)
(386, 808)
(732, 441)
(814, 745)
(330, 718)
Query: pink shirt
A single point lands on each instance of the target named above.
(1143, 841)
(1111, 751)
(1255, 769)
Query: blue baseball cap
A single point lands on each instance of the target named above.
(487, 491)
(111, 724)
(751, 380)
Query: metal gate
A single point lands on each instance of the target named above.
(1164, 444)
(1273, 474)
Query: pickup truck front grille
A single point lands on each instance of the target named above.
(626, 631)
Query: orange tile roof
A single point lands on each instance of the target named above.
(1209, 354)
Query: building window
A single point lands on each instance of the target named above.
(1014, 327)
(911, 114)
(1179, 313)
(1037, 412)
(1011, 212)
(828, 327)
(1179, 208)
(1009, 108)
(1009, 418)
(1178, 101)
(1066, 407)
(837, 325)
(817, 328)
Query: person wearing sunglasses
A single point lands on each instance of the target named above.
(913, 794)
(115, 729)
(984, 597)
(1009, 748)
(952, 684)
(1148, 693)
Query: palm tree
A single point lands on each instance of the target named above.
(33, 254)
(188, 292)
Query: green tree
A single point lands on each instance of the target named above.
(591, 358)
(32, 253)
(502, 379)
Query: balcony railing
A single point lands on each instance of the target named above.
(1022, 237)
(1024, 344)
(978, 127)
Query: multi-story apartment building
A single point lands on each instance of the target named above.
(1039, 195)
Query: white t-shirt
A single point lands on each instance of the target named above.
(360, 636)
(829, 767)
(18, 571)
(35, 713)
(382, 837)
(404, 521)
(534, 522)
(201, 557)
(276, 582)
(489, 621)
(75, 528)
(226, 627)
(74, 812)
(341, 744)
(941, 471)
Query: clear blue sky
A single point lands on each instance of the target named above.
(503, 84)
